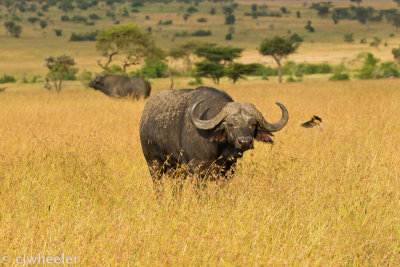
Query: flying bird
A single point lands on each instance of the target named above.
(315, 121)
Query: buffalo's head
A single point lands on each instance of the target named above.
(238, 124)
(98, 82)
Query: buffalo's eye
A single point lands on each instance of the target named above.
(253, 125)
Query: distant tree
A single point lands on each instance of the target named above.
(228, 10)
(228, 36)
(125, 12)
(128, 40)
(219, 54)
(308, 27)
(236, 71)
(323, 8)
(348, 38)
(14, 29)
(376, 42)
(210, 69)
(94, 17)
(396, 55)
(284, 10)
(254, 8)
(66, 6)
(356, 1)
(191, 10)
(298, 14)
(45, 7)
(212, 11)
(230, 19)
(137, 3)
(366, 15)
(32, 8)
(215, 60)
(60, 69)
(58, 32)
(82, 4)
(396, 20)
(174, 54)
(186, 17)
(43, 24)
(189, 47)
(296, 38)
(33, 20)
(278, 47)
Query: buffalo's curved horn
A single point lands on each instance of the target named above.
(206, 124)
(272, 127)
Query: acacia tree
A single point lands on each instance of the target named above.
(278, 47)
(215, 59)
(60, 69)
(128, 40)
(14, 29)
(174, 54)
(396, 55)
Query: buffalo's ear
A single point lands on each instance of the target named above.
(263, 135)
(218, 136)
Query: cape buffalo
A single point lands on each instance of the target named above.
(120, 86)
(202, 129)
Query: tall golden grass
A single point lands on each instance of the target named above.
(73, 180)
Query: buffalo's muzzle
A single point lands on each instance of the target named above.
(245, 142)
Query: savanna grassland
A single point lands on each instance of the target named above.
(25, 55)
(73, 179)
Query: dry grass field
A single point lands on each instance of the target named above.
(73, 180)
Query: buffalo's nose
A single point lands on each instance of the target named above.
(245, 142)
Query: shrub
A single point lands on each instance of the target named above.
(58, 32)
(65, 18)
(340, 76)
(154, 68)
(296, 38)
(85, 77)
(230, 19)
(90, 36)
(348, 38)
(181, 34)
(137, 3)
(110, 14)
(7, 79)
(115, 69)
(228, 37)
(197, 81)
(43, 24)
(201, 20)
(292, 80)
(192, 10)
(94, 17)
(79, 19)
(389, 70)
(33, 80)
(167, 22)
(201, 33)
(308, 27)
(371, 69)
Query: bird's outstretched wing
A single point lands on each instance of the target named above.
(308, 124)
